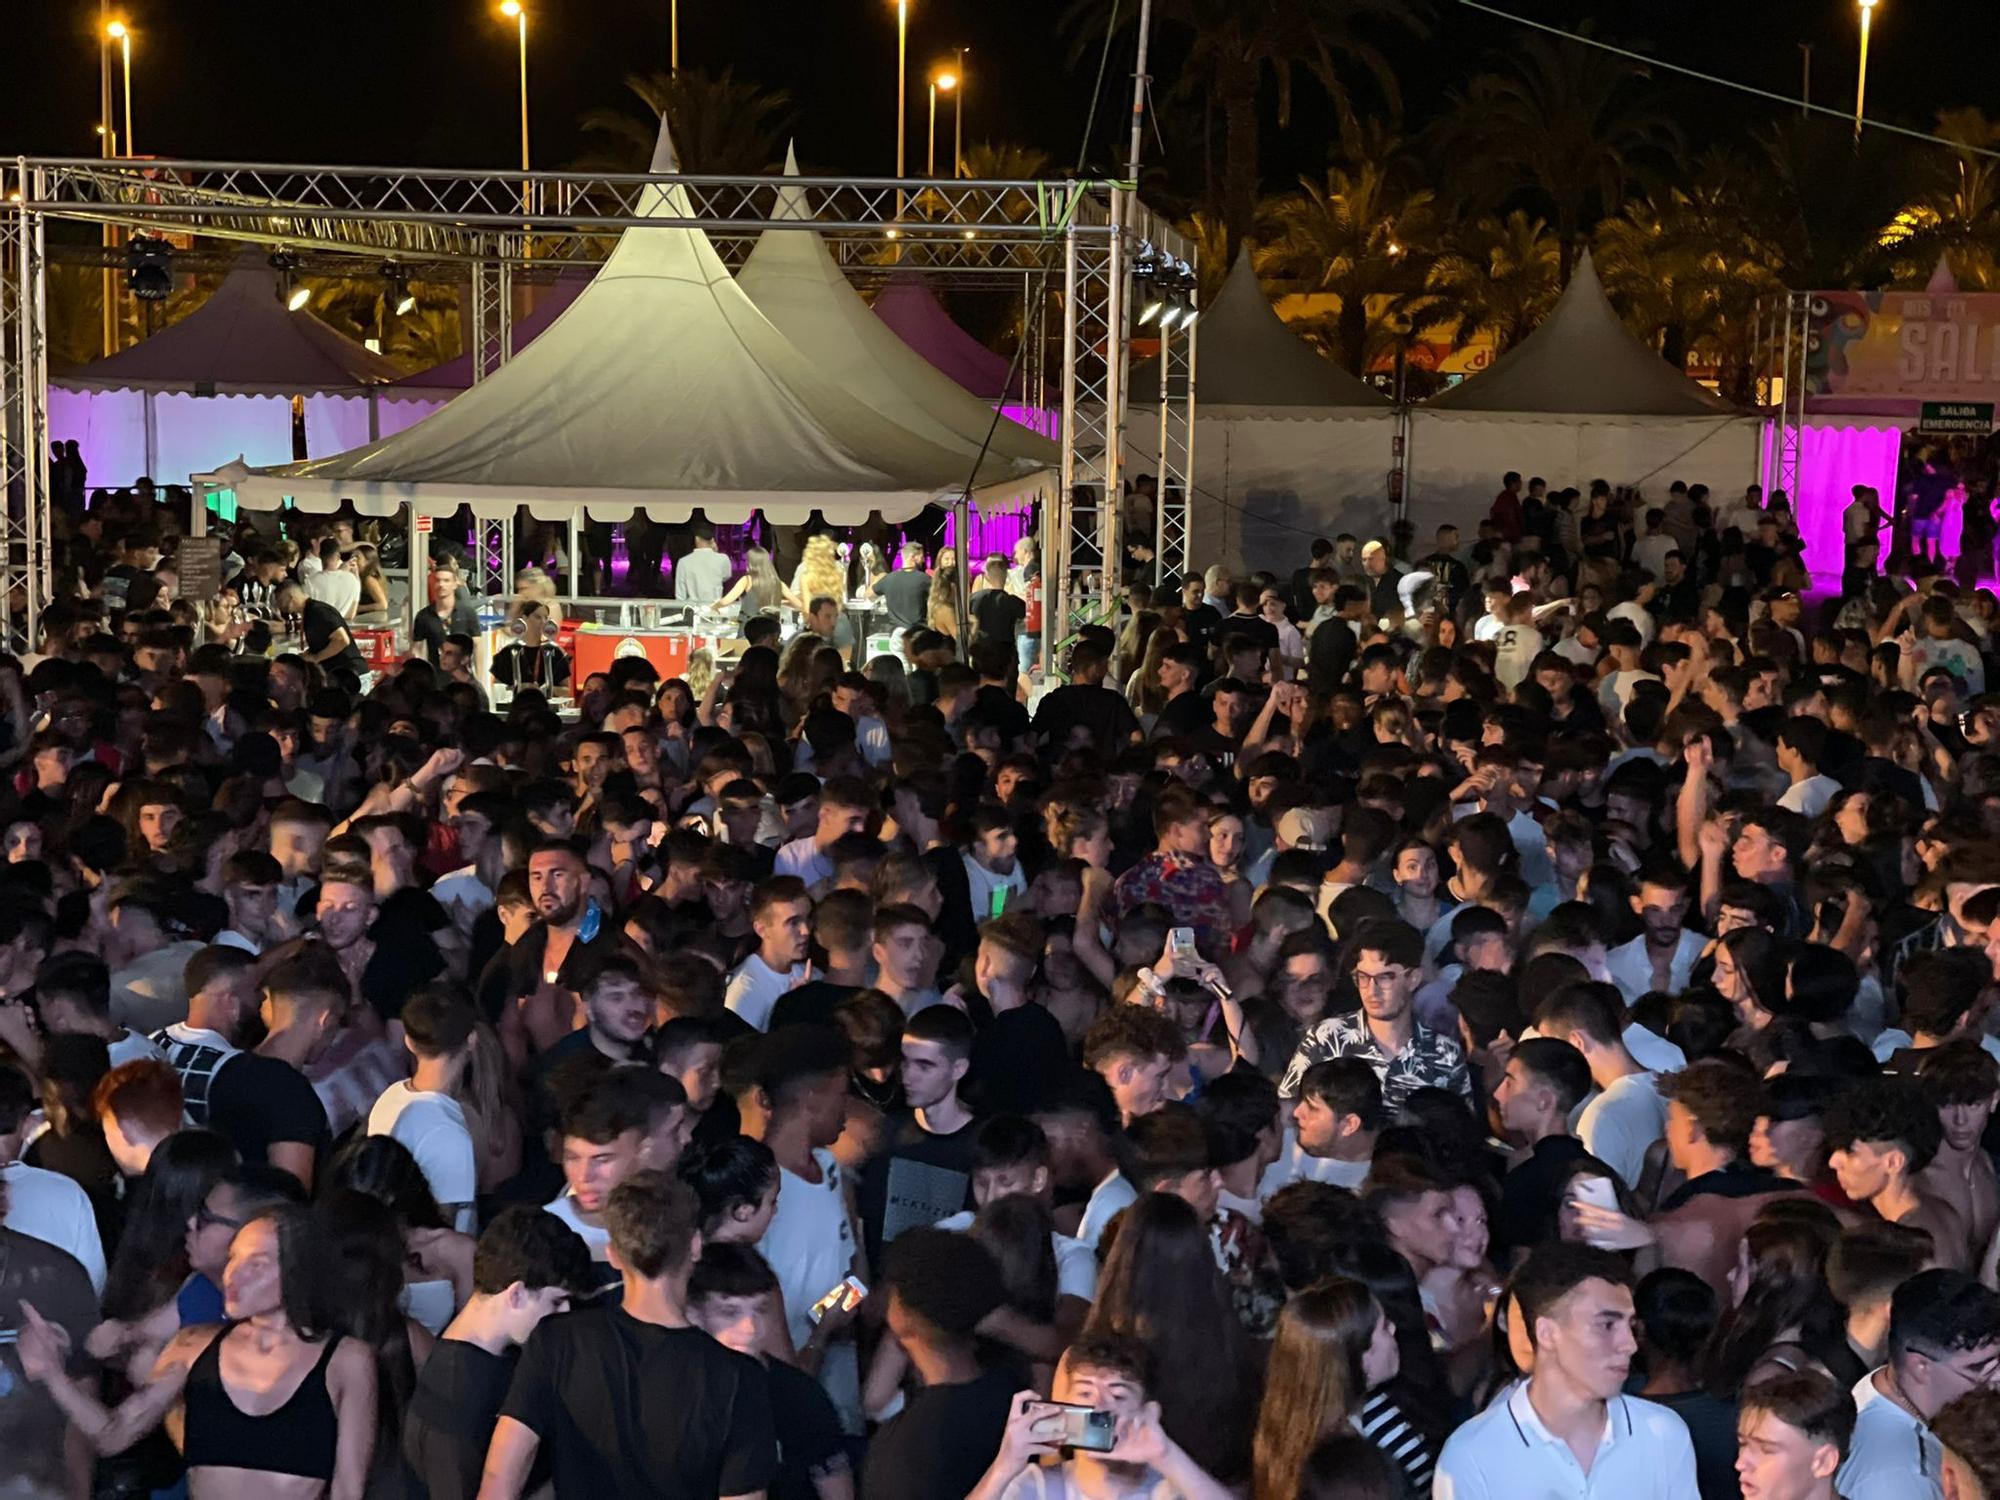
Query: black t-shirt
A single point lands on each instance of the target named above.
(1184, 716)
(907, 596)
(321, 622)
(811, 1004)
(405, 957)
(916, 1179)
(524, 666)
(810, 1441)
(449, 1423)
(998, 613)
(1254, 627)
(1018, 1061)
(1000, 708)
(429, 630)
(1530, 1194)
(260, 1102)
(631, 1409)
(1102, 713)
(941, 1442)
(1200, 623)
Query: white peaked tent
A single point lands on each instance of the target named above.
(661, 388)
(1287, 445)
(792, 278)
(222, 379)
(1579, 399)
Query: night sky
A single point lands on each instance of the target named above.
(431, 82)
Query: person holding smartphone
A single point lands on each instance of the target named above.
(1101, 1374)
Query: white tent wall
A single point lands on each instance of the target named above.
(1269, 480)
(172, 434)
(1456, 461)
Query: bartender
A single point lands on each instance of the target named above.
(534, 661)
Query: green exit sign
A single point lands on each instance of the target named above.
(1956, 416)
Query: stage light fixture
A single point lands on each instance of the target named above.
(149, 269)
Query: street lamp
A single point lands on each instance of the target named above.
(514, 11)
(902, 91)
(946, 80)
(1861, 78)
(118, 32)
(958, 117)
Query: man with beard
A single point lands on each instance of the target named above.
(1567, 1428)
(534, 985)
(1663, 956)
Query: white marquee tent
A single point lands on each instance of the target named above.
(1287, 445)
(222, 380)
(1579, 399)
(792, 278)
(661, 387)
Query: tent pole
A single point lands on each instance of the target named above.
(420, 576)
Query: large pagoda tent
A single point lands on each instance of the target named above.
(1287, 445)
(912, 311)
(221, 380)
(1579, 399)
(664, 388)
(793, 279)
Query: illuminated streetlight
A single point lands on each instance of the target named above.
(958, 116)
(946, 80)
(514, 11)
(298, 299)
(1861, 78)
(118, 32)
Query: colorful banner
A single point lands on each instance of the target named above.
(1902, 347)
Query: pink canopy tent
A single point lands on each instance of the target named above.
(218, 382)
(908, 305)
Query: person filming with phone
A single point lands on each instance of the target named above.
(1102, 1431)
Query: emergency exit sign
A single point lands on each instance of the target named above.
(1956, 416)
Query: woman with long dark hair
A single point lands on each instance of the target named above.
(362, 1241)
(437, 1259)
(1160, 1286)
(151, 1261)
(1782, 1317)
(1334, 1345)
(276, 1403)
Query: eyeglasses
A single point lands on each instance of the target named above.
(1387, 979)
(206, 1217)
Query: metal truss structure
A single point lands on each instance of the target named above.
(1065, 247)
(1786, 332)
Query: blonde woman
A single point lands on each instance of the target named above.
(367, 565)
(821, 574)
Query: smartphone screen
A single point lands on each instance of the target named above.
(1596, 1191)
(1087, 1428)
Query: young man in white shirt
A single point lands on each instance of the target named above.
(1800, 744)
(1626, 1113)
(1334, 1122)
(1663, 955)
(794, 1099)
(603, 1134)
(1568, 1429)
(1944, 1340)
(73, 994)
(781, 916)
(906, 958)
(1792, 1434)
(845, 807)
(423, 1113)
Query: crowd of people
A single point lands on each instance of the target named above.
(1510, 1021)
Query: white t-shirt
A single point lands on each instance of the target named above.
(981, 883)
(1296, 1164)
(1618, 1124)
(1809, 798)
(1518, 646)
(432, 1127)
(336, 586)
(810, 1246)
(132, 1047)
(596, 1238)
(1110, 1198)
(753, 993)
(463, 888)
(702, 576)
(50, 1207)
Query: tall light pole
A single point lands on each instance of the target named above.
(902, 91)
(107, 147)
(120, 33)
(674, 37)
(518, 14)
(1861, 78)
(946, 80)
(958, 118)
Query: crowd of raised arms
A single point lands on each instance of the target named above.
(1508, 1020)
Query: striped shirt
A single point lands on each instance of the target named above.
(1382, 1422)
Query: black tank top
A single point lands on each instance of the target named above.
(299, 1438)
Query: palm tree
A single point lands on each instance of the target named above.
(1834, 195)
(1234, 47)
(1499, 278)
(1565, 124)
(1687, 264)
(722, 125)
(1361, 237)
(1956, 212)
